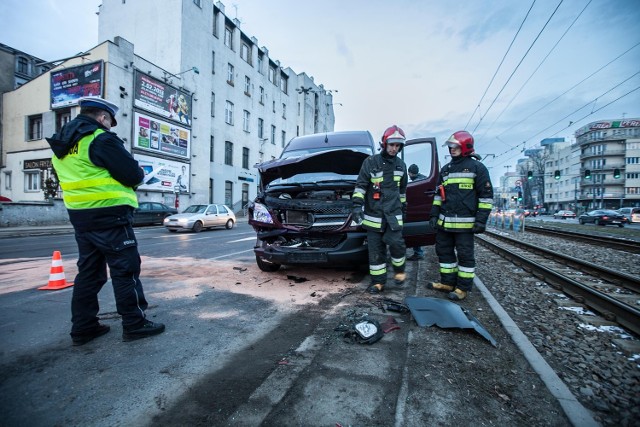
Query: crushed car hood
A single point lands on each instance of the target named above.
(347, 162)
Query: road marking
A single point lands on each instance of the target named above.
(235, 253)
(242, 240)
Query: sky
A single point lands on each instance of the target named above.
(510, 72)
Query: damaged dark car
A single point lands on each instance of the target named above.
(302, 213)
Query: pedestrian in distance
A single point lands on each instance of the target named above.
(415, 175)
(381, 190)
(98, 177)
(461, 208)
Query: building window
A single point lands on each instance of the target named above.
(245, 195)
(273, 107)
(35, 127)
(246, 117)
(62, 118)
(213, 62)
(260, 62)
(273, 135)
(247, 86)
(228, 153)
(245, 158)
(284, 138)
(261, 95)
(245, 52)
(22, 65)
(7, 180)
(31, 180)
(230, 74)
(228, 193)
(213, 104)
(272, 75)
(283, 83)
(216, 15)
(211, 150)
(260, 128)
(284, 110)
(228, 113)
(228, 37)
(211, 190)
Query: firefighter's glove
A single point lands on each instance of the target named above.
(478, 228)
(357, 214)
(433, 221)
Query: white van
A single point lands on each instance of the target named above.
(632, 214)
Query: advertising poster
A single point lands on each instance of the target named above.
(71, 84)
(158, 136)
(162, 99)
(163, 174)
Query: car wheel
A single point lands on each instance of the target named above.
(197, 227)
(172, 231)
(267, 266)
(620, 225)
(597, 222)
(581, 221)
(229, 224)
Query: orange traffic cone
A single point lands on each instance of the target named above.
(56, 276)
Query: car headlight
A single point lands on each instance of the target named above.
(183, 220)
(261, 214)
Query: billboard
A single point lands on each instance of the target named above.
(163, 175)
(159, 136)
(71, 84)
(162, 99)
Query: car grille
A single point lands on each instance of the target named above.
(312, 215)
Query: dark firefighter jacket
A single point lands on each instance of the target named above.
(106, 152)
(468, 195)
(382, 187)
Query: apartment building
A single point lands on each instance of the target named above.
(201, 102)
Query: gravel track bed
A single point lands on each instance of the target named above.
(601, 376)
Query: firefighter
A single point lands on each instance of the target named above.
(461, 208)
(381, 190)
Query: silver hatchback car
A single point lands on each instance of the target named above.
(199, 217)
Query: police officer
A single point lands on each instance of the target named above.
(461, 208)
(98, 176)
(381, 189)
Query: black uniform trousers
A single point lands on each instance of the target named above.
(116, 247)
(377, 243)
(456, 250)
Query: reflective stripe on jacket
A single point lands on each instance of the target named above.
(87, 186)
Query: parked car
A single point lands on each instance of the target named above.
(564, 214)
(199, 217)
(302, 213)
(632, 214)
(152, 213)
(603, 217)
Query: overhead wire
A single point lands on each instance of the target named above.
(500, 65)
(517, 66)
(537, 68)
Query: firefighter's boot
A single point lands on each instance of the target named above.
(399, 278)
(375, 289)
(457, 295)
(437, 286)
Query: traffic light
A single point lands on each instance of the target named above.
(556, 175)
(616, 173)
(529, 175)
(519, 195)
(587, 174)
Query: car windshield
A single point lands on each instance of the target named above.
(293, 153)
(614, 213)
(195, 209)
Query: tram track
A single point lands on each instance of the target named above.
(611, 293)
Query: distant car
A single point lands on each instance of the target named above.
(152, 213)
(603, 217)
(632, 214)
(199, 217)
(564, 214)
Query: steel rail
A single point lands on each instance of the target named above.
(610, 308)
(631, 246)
